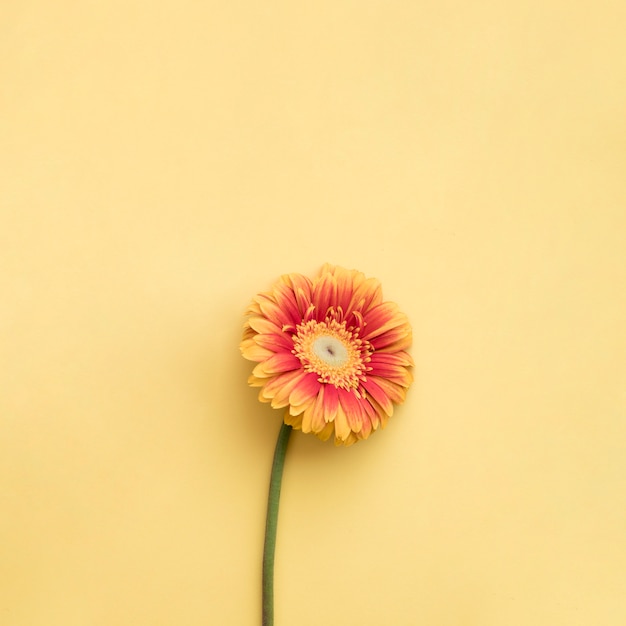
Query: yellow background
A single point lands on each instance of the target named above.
(161, 162)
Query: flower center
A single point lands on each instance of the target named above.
(332, 351)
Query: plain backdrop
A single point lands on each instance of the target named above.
(161, 162)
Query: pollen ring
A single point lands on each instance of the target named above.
(332, 351)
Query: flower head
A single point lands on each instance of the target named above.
(331, 351)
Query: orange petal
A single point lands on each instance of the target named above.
(366, 424)
(275, 342)
(281, 362)
(373, 411)
(345, 287)
(264, 326)
(352, 409)
(326, 432)
(253, 309)
(301, 286)
(395, 373)
(400, 334)
(278, 389)
(273, 312)
(331, 402)
(392, 390)
(248, 332)
(286, 299)
(342, 428)
(382, 318)
(393, 358)
(324, 294)
(348, 441)
(382, 416)
(366, 295)
(295, 421)
(313, 416)
(315, 412)
(253, 352)
(306, 389)
(378, 393)
(253, 381)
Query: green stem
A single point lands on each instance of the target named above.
(269, 546)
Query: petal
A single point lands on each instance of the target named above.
(272, 311)
(345, 287)
(342, 428)
(302, 288)
(275, 342)
(253, 309)
(395, 373)
(331, 402)
(352, 409)
(393, 358)
(306, 389)
(393, 391)
(248, 332)
(278, 388)
(306, 419)
(373, 411)
(366, 295)
(325, 434)
(394, 340)
(286, 299)
(277, 364)
(378, 394)
(382, 318)
(263, 326)
(253, 352)
(295, 421)
(366, 421)
(253, 381)
(348, 441)
(314, 415)
(324, 294)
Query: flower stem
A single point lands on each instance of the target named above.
(269, 546)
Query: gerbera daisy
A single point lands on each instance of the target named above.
(331, 351)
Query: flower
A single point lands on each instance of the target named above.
(331, 351)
